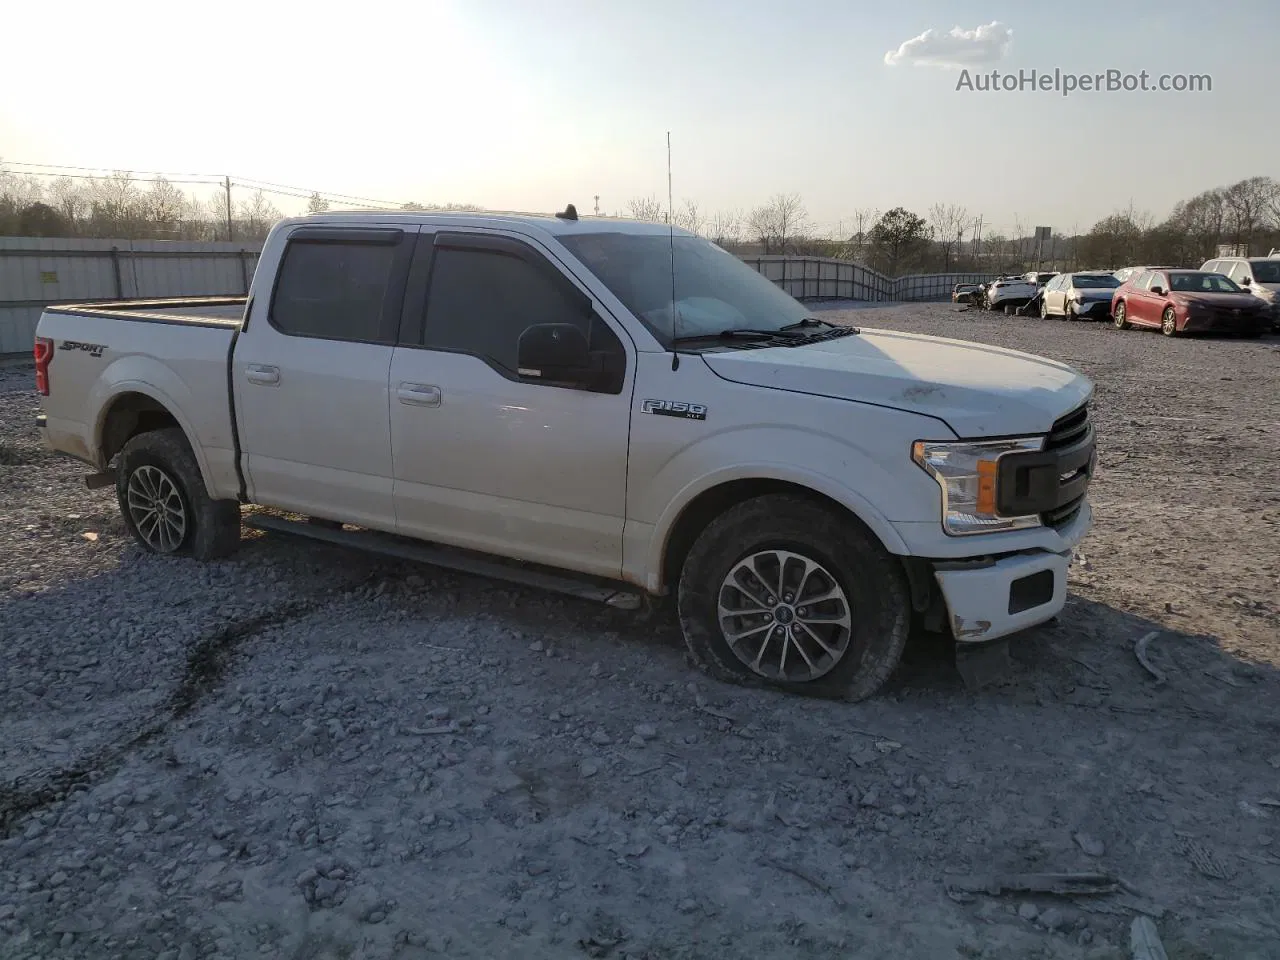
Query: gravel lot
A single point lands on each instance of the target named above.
(309, 753)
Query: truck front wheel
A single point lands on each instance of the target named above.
(783, 591)
(164, 501)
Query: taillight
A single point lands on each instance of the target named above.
(43, 354)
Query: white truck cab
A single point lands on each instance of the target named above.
(614, 408)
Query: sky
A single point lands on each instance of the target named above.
(531, 104)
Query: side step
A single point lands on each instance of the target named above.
(464, 561)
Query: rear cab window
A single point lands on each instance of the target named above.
(341, 284)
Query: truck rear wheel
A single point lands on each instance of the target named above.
(782, 591)
(164, 501)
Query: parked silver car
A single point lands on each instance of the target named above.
(1078, 296)
(1258, 275)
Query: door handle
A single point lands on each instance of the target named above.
(262, 373)
(419, 394)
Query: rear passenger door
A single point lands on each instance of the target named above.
(1138, 300)
(310, 370)
(487, 456)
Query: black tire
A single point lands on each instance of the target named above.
(1044, 309)
(208, 529)
(1169, 322)
(1121, 317)
(872, 582)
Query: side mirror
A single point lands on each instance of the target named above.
(555, 352)
(1246, 281)
(1158, 291)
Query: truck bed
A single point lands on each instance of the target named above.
(223, 312)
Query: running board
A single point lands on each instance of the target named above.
(464, 561)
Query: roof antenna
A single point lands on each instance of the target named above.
(568, 213)
(671, 240)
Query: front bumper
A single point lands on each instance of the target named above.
(1090, 309)
(1227, 323)
(987, 600)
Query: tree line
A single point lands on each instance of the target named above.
(948, 238)
(122, 206)
(945, 238)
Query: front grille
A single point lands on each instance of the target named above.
(1067, 431)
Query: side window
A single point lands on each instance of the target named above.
(1213, 266)
(1239, 270)
(1158, 280)
(480, 301)
(334, 290)
(1144, 280)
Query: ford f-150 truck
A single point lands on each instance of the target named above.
(614, 409)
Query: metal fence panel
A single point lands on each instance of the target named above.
(36, 272)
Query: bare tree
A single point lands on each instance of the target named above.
(257, 215)
(117, 205)
(162, 206)
(779, 223)
(69, 198)
(725, 227)
(864, 219)
(649, 209)
(318, 204)
(1247, 204)
(948, 222)
(689, 218)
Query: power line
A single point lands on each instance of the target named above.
(104, 170)
(213, 180)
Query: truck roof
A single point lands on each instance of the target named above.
(493, 218)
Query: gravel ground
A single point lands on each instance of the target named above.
(308, 753)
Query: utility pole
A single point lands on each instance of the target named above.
(230, 229)
(597, 204)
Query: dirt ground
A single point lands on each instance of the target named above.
(308, 753)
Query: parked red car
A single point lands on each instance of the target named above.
(1188, 301)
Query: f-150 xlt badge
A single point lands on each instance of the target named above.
(93, 349)
(675, 408)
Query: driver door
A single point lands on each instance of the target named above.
(487, 458)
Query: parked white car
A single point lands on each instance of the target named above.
(1008, 293)
(1258, 275)
(516, 396)
(1079, 296)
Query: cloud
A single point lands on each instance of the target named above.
(959, 48)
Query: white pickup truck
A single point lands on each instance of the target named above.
(509, 395)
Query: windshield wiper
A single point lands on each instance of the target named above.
(742, 333)
(792, 333)
(807, 322)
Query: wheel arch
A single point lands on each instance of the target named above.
(136, 408)
(687, 518)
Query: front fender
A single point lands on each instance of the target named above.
(840, 492)
(873, 479)
(137, 374)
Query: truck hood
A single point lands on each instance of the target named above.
(978, 390)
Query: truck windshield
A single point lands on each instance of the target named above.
(714, 290)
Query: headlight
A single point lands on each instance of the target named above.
(968, 474)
